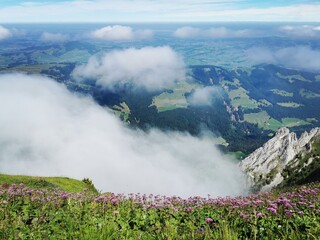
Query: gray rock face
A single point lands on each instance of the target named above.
(265, 165)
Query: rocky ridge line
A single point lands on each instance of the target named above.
(264, 167)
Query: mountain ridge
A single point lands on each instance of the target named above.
(282, 157)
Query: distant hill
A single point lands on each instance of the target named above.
(59, 183)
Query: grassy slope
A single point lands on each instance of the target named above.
(63, 183)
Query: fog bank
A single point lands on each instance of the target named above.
(48, 131)
(297, 57)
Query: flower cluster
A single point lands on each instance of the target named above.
(264, 214)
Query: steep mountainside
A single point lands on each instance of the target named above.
(284, 160)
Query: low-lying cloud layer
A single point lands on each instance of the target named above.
(203, 96)
(120, 33)
(54, 37)
(298, 57)
(149, 67)
(4, 33)
(219, 32)
(301, 31)
(46, 130)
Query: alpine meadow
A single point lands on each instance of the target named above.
(142, 119)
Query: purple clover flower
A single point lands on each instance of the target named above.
(273, 210)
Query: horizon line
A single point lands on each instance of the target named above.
(157, 22)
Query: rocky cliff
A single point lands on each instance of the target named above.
(284, 159)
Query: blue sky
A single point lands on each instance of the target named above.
(158, 10)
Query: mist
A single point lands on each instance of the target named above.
(54, 37)
(301, 31)
(219, 32)
(297, 57)
(4, 33)
(120, 33)
(48, 131)
(150, 68)
(204, 96)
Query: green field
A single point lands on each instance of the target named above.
(79, 56)
(260, 118)
(282, 92)
(264, 121)
(293, 78)
(311, 120)
(60, 56)
(220, 141)
(290, 104)
(293, 122)
(33, 69)
(235, 82)
(237, 155)
(122, 111)
(240, 97)
(176, 98)
(308, 94)
(62, 183)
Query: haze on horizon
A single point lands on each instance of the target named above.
(72, 11)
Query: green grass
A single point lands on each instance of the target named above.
(266, 122)
(62, 183)
(293, 122)
(290, 104)
(308, 94)
(60, 55)
(237, 155)
(273, 125)
(167, 101)
(263, 120)
(235, 82)
(264, 103)
(282, 93)
(293, 78)
(75, 55)
(51, 214)
(33, 69)
(240, 97)
(122, 111)
(260, 118)
(221, 141)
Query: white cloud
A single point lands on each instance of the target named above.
(4, 33)
(48, 131)
(203, 96)
(188, 32)
(220, 32)
(120, 33)
(54, 37)
(149, 67)
(298, 57)
(304, 31)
